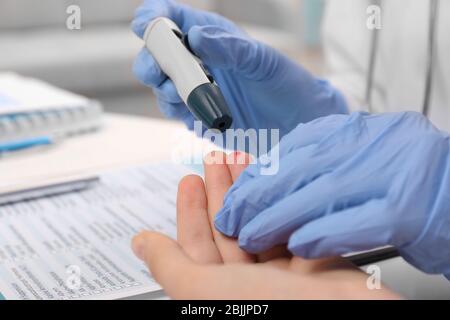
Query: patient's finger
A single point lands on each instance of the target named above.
(182, 278)
(218, 180)
(194, 231)
(237, 162)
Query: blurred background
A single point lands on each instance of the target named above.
(96, 61)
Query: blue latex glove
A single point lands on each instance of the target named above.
(263, 88)
(347, 184)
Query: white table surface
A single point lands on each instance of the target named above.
(130, 140)
(122, 140)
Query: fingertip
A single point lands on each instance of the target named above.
(305, 244)
(195, 38)
(136, 246)
(138, 27)
(140, 242)
(306, 234)
(164, 257)
(246, 242)
(147, 12)
(240, 158)
(215, 158)
(191, 194)
(190, 183)
(249, 246)
(234, 215)
(256, 236)
(217, 178)
(297, 249)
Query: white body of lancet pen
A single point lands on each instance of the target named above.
(197, 88)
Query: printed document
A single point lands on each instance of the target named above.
(77, 245)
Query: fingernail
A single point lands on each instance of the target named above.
(138, 247)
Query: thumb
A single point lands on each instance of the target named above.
(218, 48)
(167, 262)
(182, 278)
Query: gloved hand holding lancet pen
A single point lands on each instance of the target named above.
(262, 88)
(195, 85)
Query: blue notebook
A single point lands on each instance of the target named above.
(32, 108)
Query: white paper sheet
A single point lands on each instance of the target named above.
(77, 245)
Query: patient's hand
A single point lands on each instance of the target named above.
(204, 264)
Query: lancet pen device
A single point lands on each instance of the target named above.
(170, 48)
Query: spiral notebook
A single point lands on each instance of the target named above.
(31, 108)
